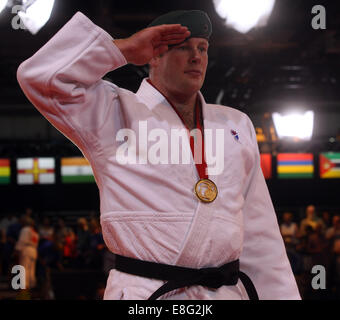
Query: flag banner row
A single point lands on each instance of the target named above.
(301, 165)
(78, 170)
(43, 170)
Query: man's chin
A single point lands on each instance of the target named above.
(193, 86)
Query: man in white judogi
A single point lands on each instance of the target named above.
(150, 211)
(27, 247)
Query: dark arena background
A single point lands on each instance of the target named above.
(290, 65)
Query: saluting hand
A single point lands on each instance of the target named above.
(142, 46)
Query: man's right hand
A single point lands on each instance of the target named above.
(148, 43)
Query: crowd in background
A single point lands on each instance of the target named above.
(314, 241)
(43, 244)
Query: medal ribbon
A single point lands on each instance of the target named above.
(201, 165)
(199, 160)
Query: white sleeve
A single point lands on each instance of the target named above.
(63, 79)
(264, 257)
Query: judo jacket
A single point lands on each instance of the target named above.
(27, 243)
(148, 210)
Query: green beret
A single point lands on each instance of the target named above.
(197, 21)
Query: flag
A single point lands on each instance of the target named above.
(330, 165)
(35, 170)
(266, 165)
(5, 171)
(295, 165)
(76, 170)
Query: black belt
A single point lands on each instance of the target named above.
(179, 277)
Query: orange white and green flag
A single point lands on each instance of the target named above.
(330, 165)
(76, 170)
(5, 171)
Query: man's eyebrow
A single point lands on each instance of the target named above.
(179, 44)
(204, 43)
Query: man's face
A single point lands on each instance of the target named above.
(287, 217)
(310, 211)
(181, 70)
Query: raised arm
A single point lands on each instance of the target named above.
(142, 46)
(64, 78)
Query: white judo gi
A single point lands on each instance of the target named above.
(149, 211)
(27, 246)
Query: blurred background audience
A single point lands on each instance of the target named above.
(66, 257)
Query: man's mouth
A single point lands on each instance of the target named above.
(196, 73)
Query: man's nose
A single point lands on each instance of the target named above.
(195, 56)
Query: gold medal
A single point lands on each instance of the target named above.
(206, 190)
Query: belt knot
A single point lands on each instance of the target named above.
(211, 277)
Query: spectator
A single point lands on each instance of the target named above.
(14, 228)
(7, 220)
(51, 253)
(289, 229)
(26, 247)
(316, 241)
(336, 252)
(311, 220)
(50, 258)
(333, 235)
(289, 232)
(83, 240)
(326, 218)
(96, 244)
(70, 247)
(314, 250)
(61, 232)
(46, 230)
(334, 230)
(28, 213)
(12, 236)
